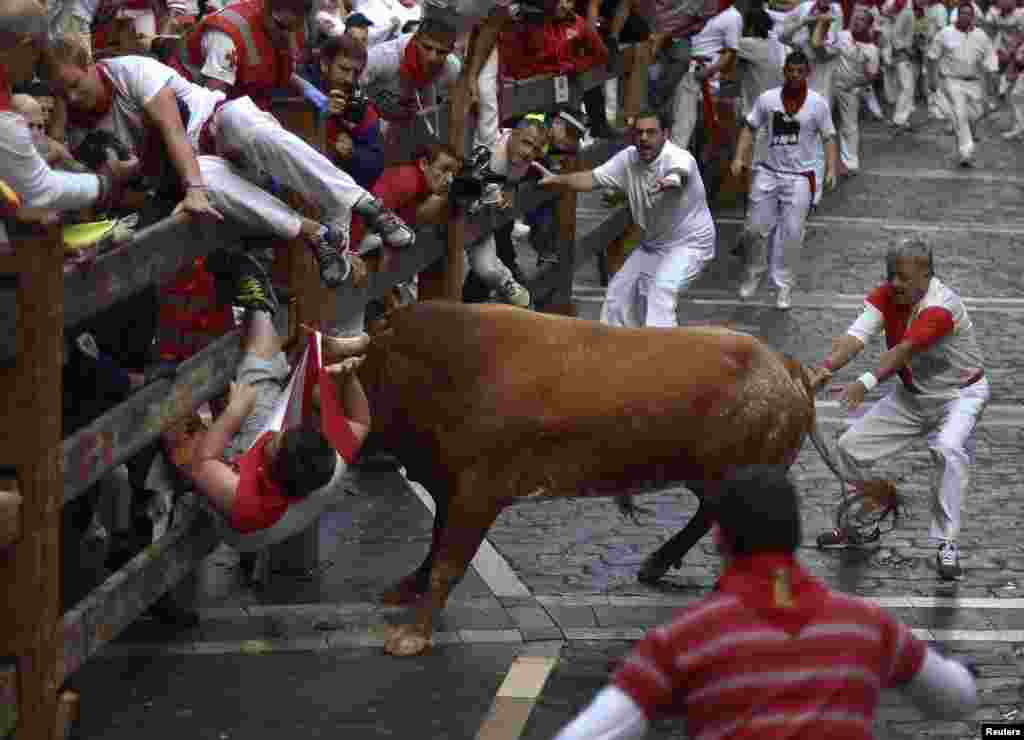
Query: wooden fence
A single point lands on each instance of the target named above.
(40, 296)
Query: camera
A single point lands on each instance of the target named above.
(471, 182)
(358, 105)
(92, 151)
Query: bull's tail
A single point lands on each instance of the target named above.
(873, 499)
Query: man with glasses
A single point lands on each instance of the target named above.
(667, 200)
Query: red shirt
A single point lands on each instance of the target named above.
(402, 189)
(928, 327)
(772, 654)
(553, 48)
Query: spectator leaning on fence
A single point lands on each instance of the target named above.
(773, 652)
(353, 135)
(667, 200)
(22, 40)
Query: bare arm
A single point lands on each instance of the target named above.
(621, 16)
(581, 182)
(844, 349)
(831, 162)
(743, 150)
(434, 210)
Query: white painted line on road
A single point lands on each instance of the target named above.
(948, 175)
(488, 562)
(1012, 229)
(970, 635)
(516, 698)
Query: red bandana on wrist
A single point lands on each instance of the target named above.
(90, 118)
(411, 69)
(793, 99)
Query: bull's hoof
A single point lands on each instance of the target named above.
(406, 639)
(405, 592)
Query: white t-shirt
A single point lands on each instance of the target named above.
(28, 175)
(901, 30)
(792, 140)
(720, 33)
(1003, 26)
(761, 63)
(136, 81)
(963, 54)
(670, 218)
(219, 57)
(389, 93)
(855, 58)
(387, 16)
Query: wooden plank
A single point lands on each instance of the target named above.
(119, 600)
(8, 696)
(561, 298)
(612, 228)
(10, 514)
(153, 255)
(30, 569)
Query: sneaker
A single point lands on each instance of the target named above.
(966, 162)
(947, 561)
(784, 301)
(749, 286)
(329, 250)
(514, 294)
(393, 230)
(840, 539)
(253, 290)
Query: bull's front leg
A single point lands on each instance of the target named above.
(467, 523)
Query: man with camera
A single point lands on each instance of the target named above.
(353, 125)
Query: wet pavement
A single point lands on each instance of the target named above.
(302, 656)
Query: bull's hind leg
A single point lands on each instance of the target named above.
(673, 551)
(467, 523)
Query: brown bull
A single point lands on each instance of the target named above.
(488, 405)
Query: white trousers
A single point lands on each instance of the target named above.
(848, 103)
(777, 215)
(906, 74)
(487, 103)
(1016, 97)
(245, 202)
(901, 417)
(482, 258)
(646, 289)
(965, 102)
(243, 133)
(688, 95)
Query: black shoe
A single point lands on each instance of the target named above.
(329, 251)
(253, 290)
(393, 230)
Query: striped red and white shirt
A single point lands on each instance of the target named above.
(938, 326)
(772, 654)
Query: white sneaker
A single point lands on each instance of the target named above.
(947, 561)
(749, 286)
(514, 294)
(784, 302)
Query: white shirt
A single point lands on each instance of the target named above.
(792, 140)
(901, 31)
(670, 218)
(941, 368)
(720, 33)
(136, 81)
(965, 55)
(28, 175)
(385, 87)
(802, 38)
(761, 63)
(1003, 26)
(855, 59)
(387, 16)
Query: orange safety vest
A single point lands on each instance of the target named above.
(262, 66)
(190, 317)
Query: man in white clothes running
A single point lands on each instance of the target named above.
(931, 345)
(784, 180)
(667, 200)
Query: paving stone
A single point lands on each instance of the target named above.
(530, 617)
(573, 616)
(541, 634)
(639, 616)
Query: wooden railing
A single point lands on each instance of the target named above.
(40, 647)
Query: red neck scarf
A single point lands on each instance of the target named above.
(5, 89)
(793, 97)
(724, 5)
(411, 70)
(89, 119)
(897, 8)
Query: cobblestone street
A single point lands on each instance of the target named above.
(556, 581)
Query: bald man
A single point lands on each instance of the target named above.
(22, 38)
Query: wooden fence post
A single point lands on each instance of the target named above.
(565, 211)
(30, 569)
